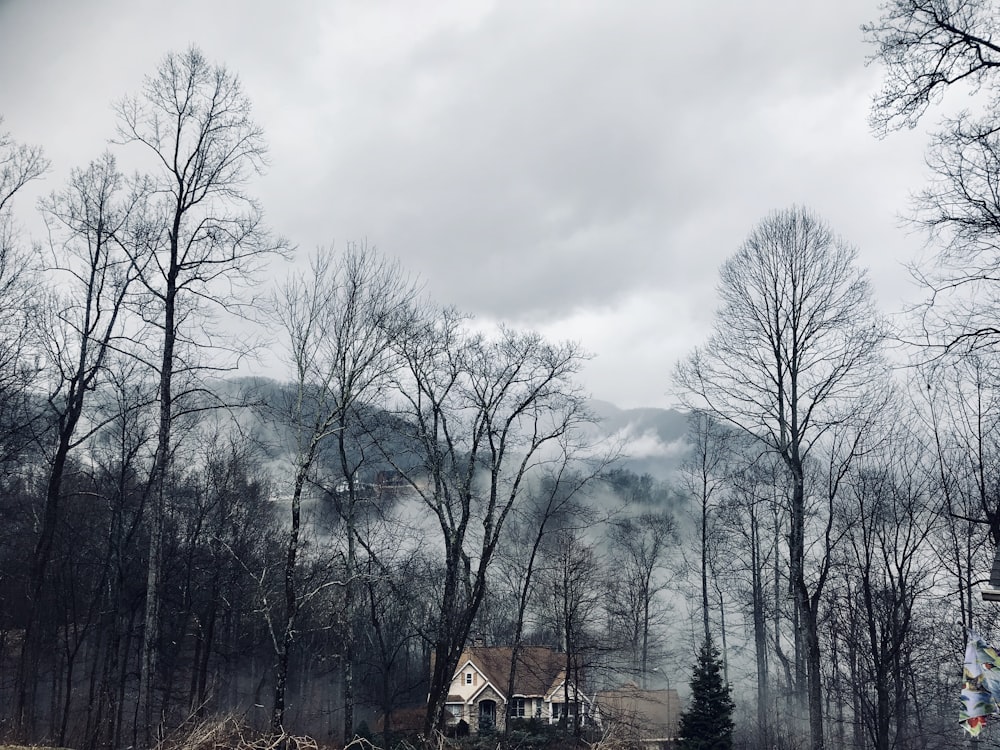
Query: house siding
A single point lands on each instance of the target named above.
(488, 694)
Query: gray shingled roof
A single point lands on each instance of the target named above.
(538, 667)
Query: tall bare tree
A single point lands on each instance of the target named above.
(478, 415)
(640, 551)
(928, 49)
(205, 237)
(88, 221)
(792, 354)
(341, 319)
(705, 472)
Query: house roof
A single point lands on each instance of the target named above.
(538, 667)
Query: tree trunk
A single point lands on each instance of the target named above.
(287, 633)
(759, 635)
(444, 666)
(807, 648)
(157, 499)
(704, 560)
(348, 645)
(151, 617)
(816, 736)
(722, 637)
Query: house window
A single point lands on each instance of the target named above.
(468, 678)
(487, 715)
(517, 708)
(558, 709)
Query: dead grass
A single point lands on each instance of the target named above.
(217, 733)
(229, 733)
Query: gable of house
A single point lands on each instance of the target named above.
(537, 668)
(468, 680)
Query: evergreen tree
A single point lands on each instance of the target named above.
(707, 724)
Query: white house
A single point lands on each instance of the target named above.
(478, 692)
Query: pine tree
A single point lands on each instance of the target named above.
(707, 724)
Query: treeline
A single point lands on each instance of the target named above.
(181, 544)
(223, 611)
(313, 556)
(894, 560)
(845, 468)
(845, 500)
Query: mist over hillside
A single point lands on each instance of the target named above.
(653, 439)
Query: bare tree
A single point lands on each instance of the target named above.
(341, 320)
(205, 237)
(19, 299)
(555, 497)
(754, 501)
(705, 473)
(962, 411)
(19, 164)
(395, 606)
(118, 454)
(794, 349)
(89, 220)
(20, 305)
(476, 415)
(571, 573)
(640, 555)
(887, 517)
(928, 48)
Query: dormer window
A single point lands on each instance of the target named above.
(468, 678)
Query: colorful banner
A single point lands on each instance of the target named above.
(981, 692)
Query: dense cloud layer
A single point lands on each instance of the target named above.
(583, 168)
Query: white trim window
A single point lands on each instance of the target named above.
(558, 709)
(517, 708)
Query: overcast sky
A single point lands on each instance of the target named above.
(581, 168)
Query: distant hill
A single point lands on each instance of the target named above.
(654, 439)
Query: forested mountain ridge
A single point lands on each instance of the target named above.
(651, 440)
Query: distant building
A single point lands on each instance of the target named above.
(478, 696)
(637, 717)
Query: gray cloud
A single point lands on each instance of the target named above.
(579, 167)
